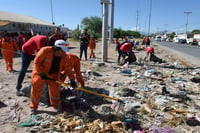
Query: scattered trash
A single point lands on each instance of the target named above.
(178, 79)
(155, 129)
(132, 107)
(29, 123)
(195, 79)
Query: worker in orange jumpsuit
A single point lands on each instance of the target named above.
(76, 65)
(92, 46)
(8, 47)
(50, 60)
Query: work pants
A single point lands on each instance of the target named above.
(84, 48)
(92, 53)
(8, 57)
(36, 91)
(26, 60)
(119, 55)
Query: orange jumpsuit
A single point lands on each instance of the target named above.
(92, 46)
(76, 65)
(8, 52)
(42, 63)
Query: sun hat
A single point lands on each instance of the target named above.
(62, 44)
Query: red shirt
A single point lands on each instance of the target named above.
(58, 37)
(126, 47)
(149, 50)
(22, 39)
(33, 45)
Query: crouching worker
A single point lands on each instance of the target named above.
(76, 66)
(152, 57)
(50, 61)
(127, 54)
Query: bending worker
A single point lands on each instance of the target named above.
(76, 65)
(126, 49)
(152, 57)
(149, 50)
(29, 50)
(50, 61)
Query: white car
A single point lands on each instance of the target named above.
(175, 39)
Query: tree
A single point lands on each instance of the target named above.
(195, 31)
(76, 34)
(122, 33)
(171, 35)
(93, 24)
(117, 33)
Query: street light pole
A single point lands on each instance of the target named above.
(52, 12)
(111, 21)
(187, 13)
(105, 30)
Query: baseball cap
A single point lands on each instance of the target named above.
(62, 44)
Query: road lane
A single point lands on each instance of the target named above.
(189, 52)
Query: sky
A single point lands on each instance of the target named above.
(128, 14)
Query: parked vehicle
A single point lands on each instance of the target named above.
(175, 39)
(182, 41)
(158, 38)
(192, 41)
(163, 39)
(169, 40)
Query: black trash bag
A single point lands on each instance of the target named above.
(131, 58)
(70, 104)
(154, 58)
(195, 79)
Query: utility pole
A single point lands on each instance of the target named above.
(137, 19)
(149, 17)
(105, 30)
(187, 13)
(111, 21)
(166, 28)
(52, 12)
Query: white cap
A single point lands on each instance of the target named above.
(62, 44)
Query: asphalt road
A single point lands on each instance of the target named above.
(190, 52)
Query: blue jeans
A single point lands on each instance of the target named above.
(26, 60)
(84, 48)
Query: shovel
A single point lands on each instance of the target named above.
(120, 102)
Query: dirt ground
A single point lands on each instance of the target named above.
(16, 109)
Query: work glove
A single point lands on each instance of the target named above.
(73, 84)
(43, 76)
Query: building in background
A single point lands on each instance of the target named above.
(12, 22)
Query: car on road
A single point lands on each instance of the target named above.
(169, 40)
(182, 41)
(191, 41)
(158, 38)
(175, 39)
